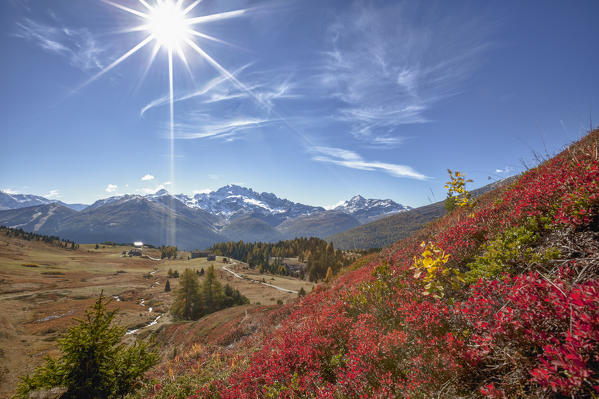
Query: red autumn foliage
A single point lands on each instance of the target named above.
(374, 334)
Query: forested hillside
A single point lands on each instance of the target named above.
(268, 257)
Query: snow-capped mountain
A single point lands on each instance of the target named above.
(112, 200)
(368, 210)
(232, 200)
(16, 201)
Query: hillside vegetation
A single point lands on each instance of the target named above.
(500, 299)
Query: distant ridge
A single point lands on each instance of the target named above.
(387, 230)
(16, 201)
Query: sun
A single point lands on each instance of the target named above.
(169, 25)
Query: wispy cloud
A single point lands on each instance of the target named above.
(507, 169)
(204, 191)
(111, 188)
(351, 159)
(147, 177)
(52, 194)
(77, 45)
(202, 126)
(206, 88)
(9, 191)
(266, 87)
(222, 110)
(388, 66)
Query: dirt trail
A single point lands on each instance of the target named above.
(257, 281)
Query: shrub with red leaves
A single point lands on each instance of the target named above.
(373, 333)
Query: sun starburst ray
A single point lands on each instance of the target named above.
(118, 60)
(171, 222)
(138, 28)
(146, 5)
(216, 17)
(183, 58)
(130, 10)
(224, 72)
(149, 64)
(191, 7)
(211, 38)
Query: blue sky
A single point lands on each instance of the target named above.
(376, 98)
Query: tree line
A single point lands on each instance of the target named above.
(318, 255)
(29, 236)
(195, 299)
(168, 252)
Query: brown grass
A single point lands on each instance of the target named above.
(38, 303)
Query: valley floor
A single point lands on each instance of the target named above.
(43, 288)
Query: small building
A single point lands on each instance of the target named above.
(135, 252)
(199, 254)
(294, 269)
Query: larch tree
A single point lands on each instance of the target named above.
(188, 305)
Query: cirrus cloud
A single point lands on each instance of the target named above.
(352, 160)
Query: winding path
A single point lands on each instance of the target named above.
(258, 281)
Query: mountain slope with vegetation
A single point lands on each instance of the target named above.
(385, 231)
(499, 298)
(319, 224)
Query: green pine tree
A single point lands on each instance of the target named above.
(212, 292)
(94, 362)
(188, 304)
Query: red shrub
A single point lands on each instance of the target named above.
(374, 335)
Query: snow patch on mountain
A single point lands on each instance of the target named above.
(367, 210)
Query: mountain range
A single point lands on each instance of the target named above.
(230, 213)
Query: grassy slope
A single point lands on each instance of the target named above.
(374, 332)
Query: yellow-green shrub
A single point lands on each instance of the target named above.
(433, 263)
(510, 250)
(457, 194)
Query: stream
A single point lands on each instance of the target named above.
(154, 322)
